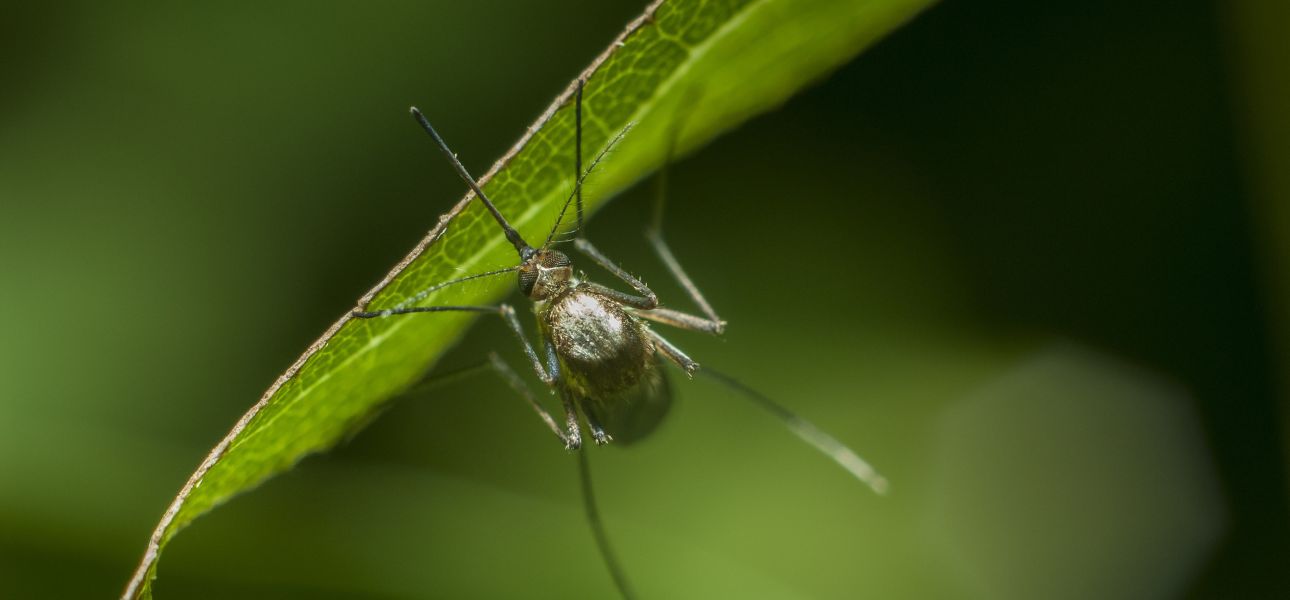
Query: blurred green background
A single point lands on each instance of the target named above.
(1029, 259)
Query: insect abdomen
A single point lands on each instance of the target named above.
(603, 349)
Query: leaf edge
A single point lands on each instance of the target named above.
(139, 586)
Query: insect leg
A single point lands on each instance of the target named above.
(809, 433)
(641, 302)
(672, 353)
(712, 323)
(646, 300)
(680, 320)
(597, 431)
(513, 379)
(574, 439)
(598, 529)
(504, 370)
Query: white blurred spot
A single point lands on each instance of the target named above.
(1074, 476)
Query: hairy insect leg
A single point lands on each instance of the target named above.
(647, 299)
(502, 369)
(710, 323)
(672, 353)
(513, 379)
(809, 433)
(681, 320)
(573, 440)
(597, 430)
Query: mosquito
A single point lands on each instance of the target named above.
(598, 351)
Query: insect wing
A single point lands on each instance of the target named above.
(638, 410)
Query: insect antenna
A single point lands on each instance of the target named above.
(808, 432)
(577, 150)
(513, 236)
(577, 187)
(598, 529)
(400, 308)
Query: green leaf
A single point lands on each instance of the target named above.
(709, 64)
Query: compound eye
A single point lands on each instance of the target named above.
(528, 278)
(554, 259)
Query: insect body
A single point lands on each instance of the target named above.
(598, 350)
(610, 360)
(597, 353)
